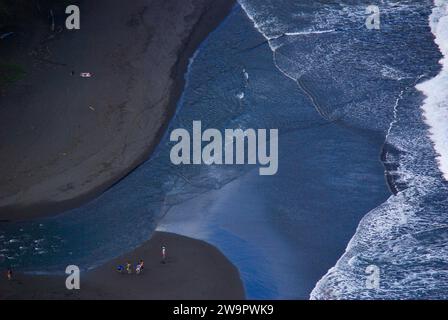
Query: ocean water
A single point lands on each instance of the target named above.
(349, 103)
(406, 236)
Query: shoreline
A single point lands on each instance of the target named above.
(194, 270)
(17, 207)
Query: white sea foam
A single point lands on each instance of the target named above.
(405, 240)
(273, 30)
(394, 120)
(301, 33)
(435, 107)
(191, 60)
(246, 75)
(397, 235)
(389, 72)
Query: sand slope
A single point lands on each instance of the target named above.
(64, 139)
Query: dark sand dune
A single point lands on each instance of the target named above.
(194, 270)
(63, 138)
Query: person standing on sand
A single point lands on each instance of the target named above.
(163, 254)
(128, 268)
(139, 267)
(9, 274)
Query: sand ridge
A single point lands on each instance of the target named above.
(63, 138)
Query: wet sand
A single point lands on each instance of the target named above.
(63, 138)
(193, 270)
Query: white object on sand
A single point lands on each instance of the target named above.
(86, 75)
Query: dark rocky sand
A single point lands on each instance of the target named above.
(65, 139)
(194, 270)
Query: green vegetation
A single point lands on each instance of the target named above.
(10, 73)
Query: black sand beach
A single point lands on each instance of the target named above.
(65, 139)
(193, 270)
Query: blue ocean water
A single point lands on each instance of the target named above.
(342, 97)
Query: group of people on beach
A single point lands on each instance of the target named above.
(127, 268)
(121, 269)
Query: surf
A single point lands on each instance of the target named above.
(435, 106)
